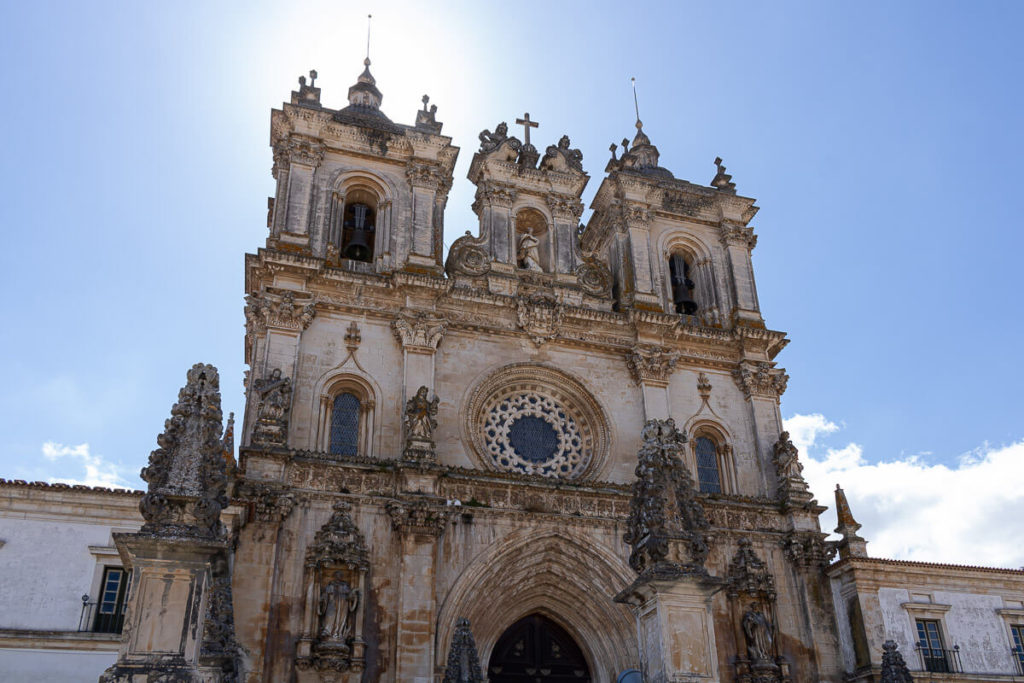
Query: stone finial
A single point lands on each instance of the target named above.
(426, 119)
(307, 95)
(722, 180)
(463, 661)
(666, 530)
(894, 669)
(364, 93)
(186, 474)
(703, 386)
(850, 545)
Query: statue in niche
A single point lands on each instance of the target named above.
(757, 632)
(338, 604)
(420, 415)
(529, 252)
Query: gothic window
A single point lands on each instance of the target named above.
(345, 425)
(359, 225)
(109, 617)
(709, 474)
(683, 301)
(929, 644)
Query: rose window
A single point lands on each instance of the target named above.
(534, 420)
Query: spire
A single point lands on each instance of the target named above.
(364, 94)
(851, 545)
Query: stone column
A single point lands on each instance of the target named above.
(418, 525)
(426, 179)
(651, 367)
(739, 241)
(419, 333)
(762, 385)
(645, 296)
(304, 157)
(566, 211)
(493, 205)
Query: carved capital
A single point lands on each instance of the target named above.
(808, 549)
(493, 194)
(760, 378)
(733, 233)
(565, 207)
(635, 215)
(278, 309)
(420, 518)
(428, 176)
(301, 150)
(419, 330)
(651, 364)
(270, 504)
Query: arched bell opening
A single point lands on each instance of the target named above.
(359, 225)
(683, 300)
(535, 648)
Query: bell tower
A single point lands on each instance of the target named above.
(347, 178)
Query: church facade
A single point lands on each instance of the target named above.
(555, 455)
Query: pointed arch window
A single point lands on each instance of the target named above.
(344, 437)
(709, 471)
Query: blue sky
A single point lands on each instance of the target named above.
(882, 141)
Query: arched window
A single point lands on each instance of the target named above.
(344, 436)
(682, 286)
(359, 225)
(709, 472)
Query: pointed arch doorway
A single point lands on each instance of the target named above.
(536, 649)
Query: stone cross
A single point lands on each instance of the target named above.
(527, 124)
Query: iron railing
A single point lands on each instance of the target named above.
(939, 661)
(96, 621)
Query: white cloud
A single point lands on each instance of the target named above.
(910, 509)
(97, 471)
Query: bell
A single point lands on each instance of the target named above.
(682, 298)
(682, 286)
(358, 247)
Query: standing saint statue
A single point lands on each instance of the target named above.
(757, 632)
(338, 604)
(420, 414)
(529, 254)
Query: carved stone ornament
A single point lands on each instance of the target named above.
(429, 176)
(186, 474)
(463, 661)
(339, 542)
(420, 421)
(749, 576)
(561, 158)
(808, 549)
(270, 504)
(498, 145)
(761, 378)
(467, 257)
(732, 233)
(273, 405)
(594, 277)
(792, 489)
(894, 668)
(651, 364)
(419, 330)
(667, 527)
(540, 317)
(220, 647)
(280, 310)
(421, 518)
(703, 386)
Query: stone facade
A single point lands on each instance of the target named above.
(559, 449)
